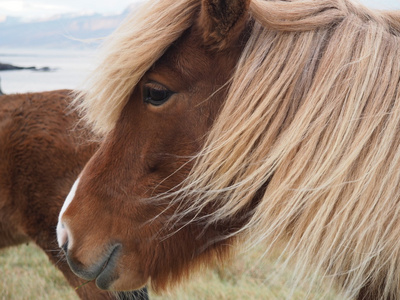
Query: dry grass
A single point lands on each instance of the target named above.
(248, 277)
(27, 274)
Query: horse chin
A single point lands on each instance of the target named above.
(125, 284)
(133, 295)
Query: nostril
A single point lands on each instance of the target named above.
(65, 247)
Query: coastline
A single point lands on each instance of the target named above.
(53, 69)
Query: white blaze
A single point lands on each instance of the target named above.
(62, 234)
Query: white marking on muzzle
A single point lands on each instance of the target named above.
(62, 230)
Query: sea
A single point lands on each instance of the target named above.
(68, 69)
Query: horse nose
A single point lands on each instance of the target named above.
(62, 235)
(62, 230)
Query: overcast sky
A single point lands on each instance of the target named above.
(33, 9)
(382, 4)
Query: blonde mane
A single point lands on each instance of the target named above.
(126, 56)
(310, 128)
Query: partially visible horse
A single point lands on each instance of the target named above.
(266, 122)
(42, 150)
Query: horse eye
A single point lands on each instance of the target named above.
(156, 95)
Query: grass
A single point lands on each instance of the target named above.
(27, 274)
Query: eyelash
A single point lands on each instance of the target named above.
(156, 94)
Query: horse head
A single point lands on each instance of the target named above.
(111, 227)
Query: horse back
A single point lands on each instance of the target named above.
(40, 157)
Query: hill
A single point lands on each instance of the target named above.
(64, 31)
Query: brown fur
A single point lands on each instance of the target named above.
(222, 22)
(41, 154)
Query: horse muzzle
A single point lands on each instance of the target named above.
(103, 272)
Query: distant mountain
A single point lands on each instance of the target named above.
(64, 31)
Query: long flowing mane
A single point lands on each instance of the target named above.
(309, 130)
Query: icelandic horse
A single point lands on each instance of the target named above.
(229, 123)
(42, 150)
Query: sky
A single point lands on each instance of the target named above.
(380, 4)
(36, 9)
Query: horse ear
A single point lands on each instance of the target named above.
(222, 21)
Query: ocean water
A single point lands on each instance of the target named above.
(70, 69)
